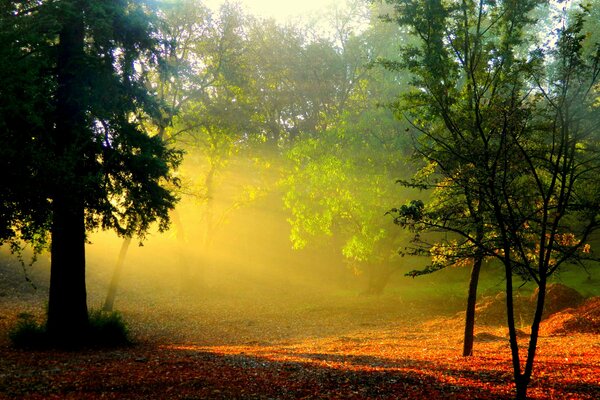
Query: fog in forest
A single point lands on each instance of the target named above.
(330, 199)
(226, 271)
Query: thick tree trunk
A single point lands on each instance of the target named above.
(116, 276)
(67, 305)
(471, 303)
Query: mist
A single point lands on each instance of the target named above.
(201, 202)
(243, 281)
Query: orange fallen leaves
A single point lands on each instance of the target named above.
(367, 349)
(420, 362)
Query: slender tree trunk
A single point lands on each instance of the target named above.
(190, 281)
(468, 339)
(521, 381)
(209, 183)
(183, 263)
(533, 339)
(67, 305)
(116, 277)
(471, 303)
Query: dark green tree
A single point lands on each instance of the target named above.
(88, 163)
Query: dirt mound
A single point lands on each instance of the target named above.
(583, 319)
(558, 298)
(491, 310)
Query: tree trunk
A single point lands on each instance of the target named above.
(533, 339)
(521, 382)
(116, 277)
(380, 275)
(67, 305)
(193, 280)
(471, 303)
(521, 385)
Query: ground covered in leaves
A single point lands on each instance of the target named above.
(275, 345)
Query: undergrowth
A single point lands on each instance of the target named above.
(105, 330)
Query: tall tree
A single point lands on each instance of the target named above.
(511, 136)
(99, 168)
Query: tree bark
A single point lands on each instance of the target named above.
(521, 385)
(67, 305)
(533, 339)
(521, 382)
(116, 277)
(471, 303)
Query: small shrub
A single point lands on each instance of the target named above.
(28, 333)
(108, 329)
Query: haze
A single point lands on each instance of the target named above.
(313, 199)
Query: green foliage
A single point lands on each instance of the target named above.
(338, 186)
(409, 214)
(512, 135)
(484, 128)
(75, 101)
(127, 174)
(341, 176)
(24, 108)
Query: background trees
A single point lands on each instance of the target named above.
(342, 176)
(505, 135)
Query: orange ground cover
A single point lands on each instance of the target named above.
(404, 361)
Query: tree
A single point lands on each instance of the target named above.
(510, 136)
(341, 176)
(217, 116)
(90, 162)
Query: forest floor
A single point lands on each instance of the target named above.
(296, 347)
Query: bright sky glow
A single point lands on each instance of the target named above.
(281, 10)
